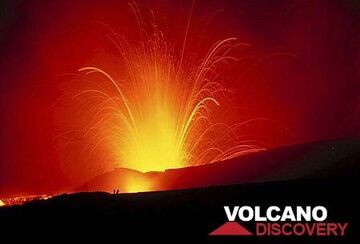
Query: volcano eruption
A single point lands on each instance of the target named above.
(154, 115)
(166, 109)
(148, 118)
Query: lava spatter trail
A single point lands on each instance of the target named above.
(166, 109)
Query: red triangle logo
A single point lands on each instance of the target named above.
(231, 229)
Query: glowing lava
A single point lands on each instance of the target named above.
(22, 199)
(163, 110)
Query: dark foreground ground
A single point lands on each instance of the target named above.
(190, 214)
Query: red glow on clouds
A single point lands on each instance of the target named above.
(300, 73)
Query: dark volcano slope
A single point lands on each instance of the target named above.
(305, 161)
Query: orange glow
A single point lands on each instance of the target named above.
(2, 203)
(163, 110)
(137, 184)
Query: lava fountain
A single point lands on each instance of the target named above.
(164, 110)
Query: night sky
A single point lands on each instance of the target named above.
(301, 73)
